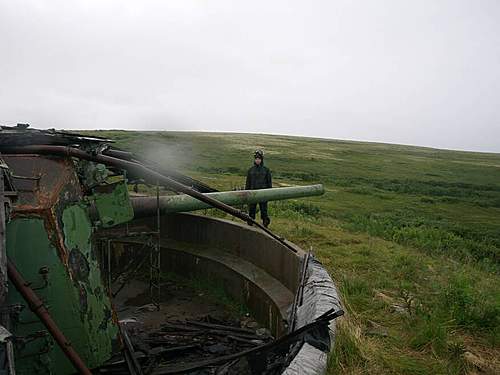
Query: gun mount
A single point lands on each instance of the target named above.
(66, 216)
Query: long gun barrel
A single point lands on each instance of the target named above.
(146, 206)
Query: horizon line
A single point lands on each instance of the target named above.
(439, 148)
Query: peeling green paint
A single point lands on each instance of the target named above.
(77, 228)
(113, 204)
(73, 295)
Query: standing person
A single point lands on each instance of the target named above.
(259, 177)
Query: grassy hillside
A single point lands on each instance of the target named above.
(411, 236)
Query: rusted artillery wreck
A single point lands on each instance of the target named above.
(71, 239)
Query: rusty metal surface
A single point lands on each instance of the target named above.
(45, 185)
(39, 181)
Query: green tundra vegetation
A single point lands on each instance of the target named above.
(411, 236)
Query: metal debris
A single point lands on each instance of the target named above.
(201, 347)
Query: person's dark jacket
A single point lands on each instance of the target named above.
(258, 177)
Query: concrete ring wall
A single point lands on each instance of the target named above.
(204, 246)
(242, 240)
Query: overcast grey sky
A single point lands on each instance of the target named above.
(423, 72)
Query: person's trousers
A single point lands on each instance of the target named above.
(252, 209)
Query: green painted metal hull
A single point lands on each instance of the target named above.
(74, 295)
(49, 240)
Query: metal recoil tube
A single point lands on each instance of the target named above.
(146, 206)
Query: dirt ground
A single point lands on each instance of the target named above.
(178, 302)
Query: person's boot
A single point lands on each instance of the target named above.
(266, 221)
(249, 222)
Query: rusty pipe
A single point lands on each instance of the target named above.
(37, 306)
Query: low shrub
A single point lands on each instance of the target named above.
(432, 236)
(294, 209)
(470, 308)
